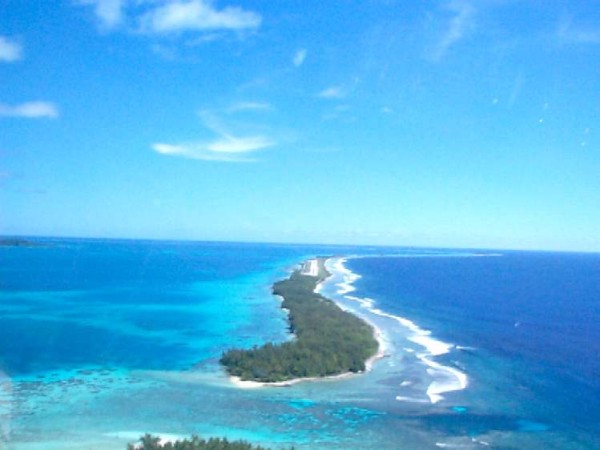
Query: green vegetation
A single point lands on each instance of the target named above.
(149, 442)
(328, 341)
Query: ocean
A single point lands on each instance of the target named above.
(102, 341)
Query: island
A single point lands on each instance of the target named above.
(328, 341)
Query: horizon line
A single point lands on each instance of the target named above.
(258, 242)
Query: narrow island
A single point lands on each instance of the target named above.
(328, 341)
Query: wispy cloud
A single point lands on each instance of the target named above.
(10, 51)
(299, 57)
(249, 106)
(333, 92)
(224, 147)
(110, 13)
(340, 112)
(30, 110)
(571, 34)
(197, 15)
(515, 92)
(459, 24)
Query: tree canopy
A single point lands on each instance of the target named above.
(329, 341)
(149, 442)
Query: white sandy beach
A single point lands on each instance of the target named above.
(311, 268)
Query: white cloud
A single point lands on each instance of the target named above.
(30, 110)
(225, 147)
(232, 144)
(10, 51)
(110, 13)
(198, 15)
(332, 93)
(458, 26)
(249, 106)
(299, 57)
(166, 16)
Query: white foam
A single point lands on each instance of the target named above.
(6, 406)
(434, 347)
(348, 277)
(364, 302)
(446, 378)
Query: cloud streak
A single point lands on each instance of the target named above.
(333, 92)
(30, 110)
(569, 34)
(299, 57)
(249, 106)
(10, 51)
(458, 26)
(224, 147)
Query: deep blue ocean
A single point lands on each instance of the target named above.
(104, 340)
(532, 317)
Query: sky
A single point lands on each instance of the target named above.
(469, 124)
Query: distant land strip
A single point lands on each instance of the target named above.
(15, 242)
(328, 341)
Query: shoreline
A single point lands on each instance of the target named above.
(444, 379)
(433, 347)
(369, 363)
(314, 267)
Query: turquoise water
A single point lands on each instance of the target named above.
(102, 341)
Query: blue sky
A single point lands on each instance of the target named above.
(430, 123)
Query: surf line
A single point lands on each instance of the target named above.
(445, 378)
